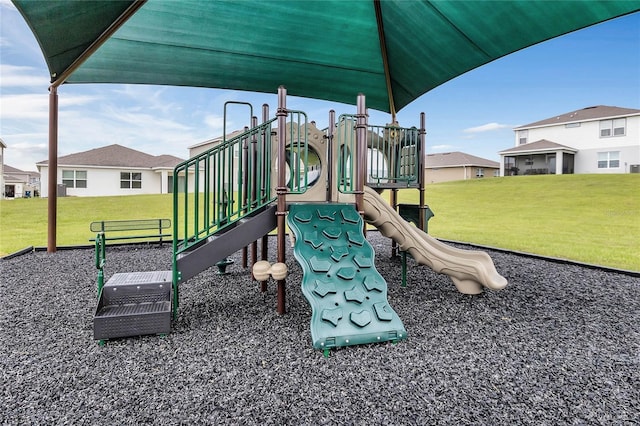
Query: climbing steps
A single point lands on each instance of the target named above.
(348, 296)
(134, 304)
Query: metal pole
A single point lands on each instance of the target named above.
(52, 196)
(361, 152)
(254, 184)
(332, 122)
(281, 191)
(385, 58)
(421, 160)
(265, 164)
(57, 80)
(243, 196)
(394, 205)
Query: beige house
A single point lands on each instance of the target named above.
(111, 170)
(19, 183)
(448, 166)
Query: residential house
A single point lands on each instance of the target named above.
(597, 139)
(201, 147)
(210, 143)
(112, 170)
(19, 183)
(448, 166)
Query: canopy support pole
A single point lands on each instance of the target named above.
(385, 59)
(421, 148)
(52, 184)
(57, 80)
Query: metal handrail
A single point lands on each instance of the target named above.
(211, 190)
(225, 183)
(297, 152)
(393, 154)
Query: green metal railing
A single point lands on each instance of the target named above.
(100, 256)
(393, 155)
(217, 187)
(346, 137)
(233, 179)
(297, 153)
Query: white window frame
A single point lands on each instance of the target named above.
(129, 180)
(480, 172)
(74, 178)
(613, 127)
(609, 160)
(523, 136)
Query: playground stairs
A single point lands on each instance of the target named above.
(134, 304)
(348, 296)
(226, 241)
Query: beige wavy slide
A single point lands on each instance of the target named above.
(469, 270)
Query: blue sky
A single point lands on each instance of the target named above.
(474, 113)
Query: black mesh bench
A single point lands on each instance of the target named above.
(132, 229)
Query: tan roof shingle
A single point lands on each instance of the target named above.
(541, 145)
(457, 159)
(584, 114)
(117, 156)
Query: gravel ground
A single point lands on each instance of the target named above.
(559, 345)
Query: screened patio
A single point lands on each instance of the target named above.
(538, 158)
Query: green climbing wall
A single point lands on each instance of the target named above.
(348, 296)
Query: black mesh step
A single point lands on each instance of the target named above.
(134, 304)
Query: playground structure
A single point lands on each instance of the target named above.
(325, 184)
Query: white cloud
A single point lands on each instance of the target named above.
(148, 97)
(23, 155)
(139, 120)
(35, 106)
(76, 100)
(23, 107)
(441, 148)
(215, 123)
(22, 76)
(489, 127)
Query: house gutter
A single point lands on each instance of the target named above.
(57, 80)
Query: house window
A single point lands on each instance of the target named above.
(74, 178)
(616, 127)
(522, 136)
(609, 160)
(479, 172)
(130, 180)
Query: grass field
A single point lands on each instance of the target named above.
(589, 218)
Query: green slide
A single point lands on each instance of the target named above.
(348, 296)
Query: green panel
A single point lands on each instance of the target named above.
(348, 296)
(249, 46)
(326, 49)
(64, 30)
(452, 37)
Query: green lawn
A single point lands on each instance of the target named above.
(589, 218)
(23, 222)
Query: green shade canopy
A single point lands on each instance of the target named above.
(329, 50)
